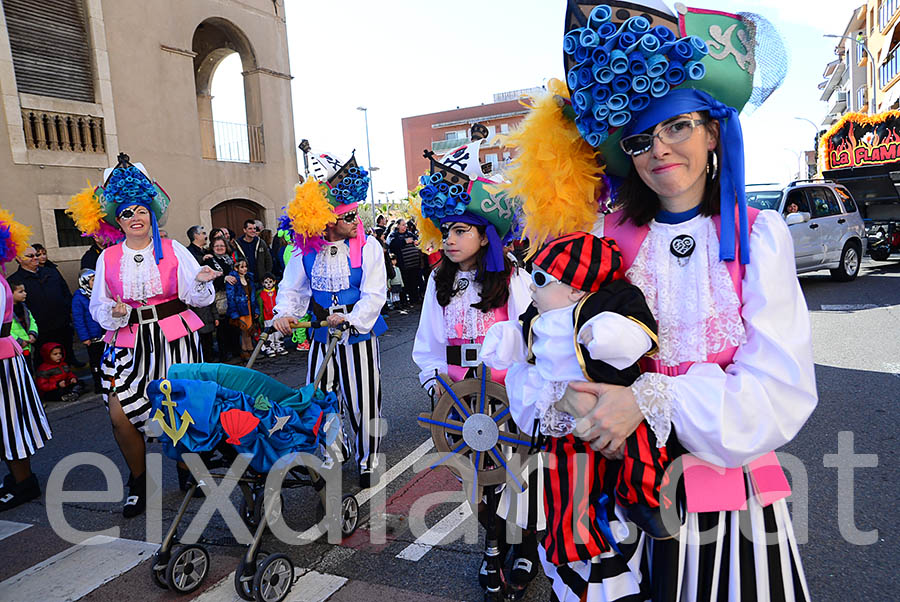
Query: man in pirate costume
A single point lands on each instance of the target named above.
(653, 97)
(142, 289)
(337, 272)
(22, 419)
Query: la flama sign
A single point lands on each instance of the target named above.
(859, 140)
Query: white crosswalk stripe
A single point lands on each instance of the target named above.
(309, 586)
(9, 528)
(436, 534)
(63, 576)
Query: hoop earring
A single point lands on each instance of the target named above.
(712, 172)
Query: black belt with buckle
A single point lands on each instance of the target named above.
(322, 313)
(5, 330)
(147, 314)
(467, 355)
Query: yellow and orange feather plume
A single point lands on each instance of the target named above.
(16, 241)
(85, 210)
(430, 238)
(309, 212)
(555, 174)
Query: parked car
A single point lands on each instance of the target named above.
(824, 221)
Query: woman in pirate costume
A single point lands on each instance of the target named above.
(142, 288)
(22, 419)
(473, 287)
(656, 103)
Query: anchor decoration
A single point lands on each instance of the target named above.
(174, 433)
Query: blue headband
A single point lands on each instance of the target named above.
(494, 258)
(731, 171)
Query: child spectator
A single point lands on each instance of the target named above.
(240, 308)
(24, 326)
(55, 379)
(89, 332)
(395, 284)
(267, 299)
(301, 335)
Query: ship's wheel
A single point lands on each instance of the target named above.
(473, 429)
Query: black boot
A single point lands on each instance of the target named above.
(650, 521)
(17, 494)
(524, 566)
(136, 502)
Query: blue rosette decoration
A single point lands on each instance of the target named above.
(353, 188)
(618, 70)
(440, 199)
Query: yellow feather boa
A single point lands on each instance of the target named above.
(555, 174)
(18, 234)
(310, 211)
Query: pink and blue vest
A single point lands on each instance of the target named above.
(723, 488)
(346, 297)
(173, 327)
(9, 346)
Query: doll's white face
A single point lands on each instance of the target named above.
(553, 294)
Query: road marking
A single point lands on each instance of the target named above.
(389, 475)
(67, 405)
(436, 534)
(9, 528)
(309, 586)
(849, 307)
(64, 575)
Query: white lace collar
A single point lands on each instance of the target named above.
(139, 274)
(461, 320)
(693, 299)
(331, 269)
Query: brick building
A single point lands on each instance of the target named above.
(446, 130)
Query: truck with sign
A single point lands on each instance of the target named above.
(862, 152)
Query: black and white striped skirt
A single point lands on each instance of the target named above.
(751, 555)
(23, 420)
(127, 372)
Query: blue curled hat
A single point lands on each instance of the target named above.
(455, 190)
(631, 65)
(128, 185)
(347, 182)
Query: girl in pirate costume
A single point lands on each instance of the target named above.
(142, 287)
(733, 378)
(473, 287)
(22, 419)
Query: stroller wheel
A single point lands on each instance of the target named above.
(158, 572)
(243, 584)
(274, 578)
(187, 568)
(349, 514)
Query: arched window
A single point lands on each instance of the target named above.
(224, 52)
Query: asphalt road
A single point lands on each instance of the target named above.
(857, 353)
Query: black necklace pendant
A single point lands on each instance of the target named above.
(681, 247)
(333, 251)
(461, 285)
(138, 258)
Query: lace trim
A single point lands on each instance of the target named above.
(331, 269)
(106, 317)
(655, 394)
(554, 423)
(461, 320)
(694, 303)
(140, 280)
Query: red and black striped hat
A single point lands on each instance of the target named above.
(581, 260)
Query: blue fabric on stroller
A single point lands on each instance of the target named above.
(289, 420)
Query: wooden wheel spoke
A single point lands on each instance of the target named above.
(502, 462)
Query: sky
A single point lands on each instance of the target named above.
(400, 58)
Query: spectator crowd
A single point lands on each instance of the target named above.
(48, 316)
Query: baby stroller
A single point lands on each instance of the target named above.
(219, 412)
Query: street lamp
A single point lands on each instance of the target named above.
(816, 128)
(871, 62)
(369, 158)
(797, 156)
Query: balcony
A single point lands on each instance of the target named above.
(63, 132)
(837, 78)
(886, 12)
(889, 68)
(232, 142)
(840, 104)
